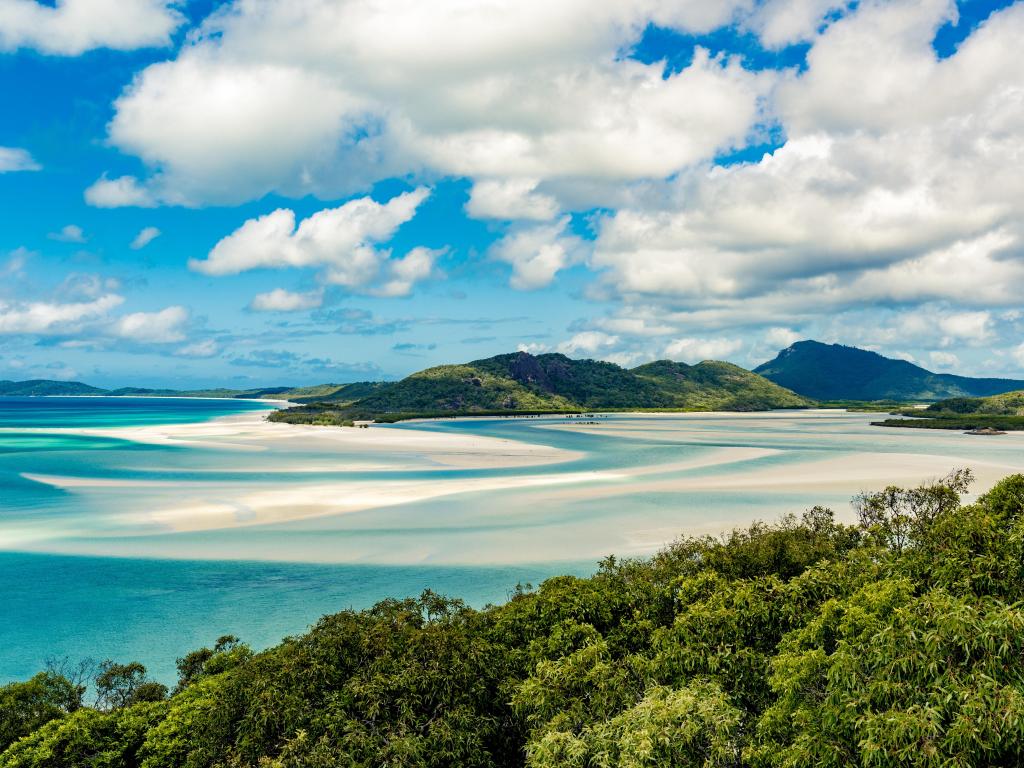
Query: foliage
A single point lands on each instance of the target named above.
(121, 685)
(836, 372)
(897, 641)
(27, 706)
(999, 412)
(521, 383)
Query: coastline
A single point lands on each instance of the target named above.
(712, 477)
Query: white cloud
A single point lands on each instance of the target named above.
(781, 337)
(43, 317)
(71, 233)
(589, 343)
(784, 22)
(342, 240)
(533, 347)
(695, 349)
(402, 274)
(888, 188)
(146, 236)
(280, 300)
(14, 159)
(124, 191)
(973, 327)
(163, 327)
(510, 199)
(499, 92)
(944, 360)
(537, 253)
(200, 349)
(71, 27)
(1018, 355)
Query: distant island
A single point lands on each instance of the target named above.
(51, 388)
(982, 416)
(521, 383)
(806, 374)
(831, 372)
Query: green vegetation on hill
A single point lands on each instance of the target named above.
(44, 387)
(895, 642)
(999, 412)
(524, 383)
(835, 372)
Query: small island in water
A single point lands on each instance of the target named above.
(995, 415)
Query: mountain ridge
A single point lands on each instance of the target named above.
(838, 372)
(552, 382)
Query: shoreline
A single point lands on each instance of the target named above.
(528, 508)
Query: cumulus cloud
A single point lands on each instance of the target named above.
(71, 27)
(899, 183)
(944, 360)
(498, 92)
(342, 241)
(697, 349)
(1018, 355)
(510, 199)
(162, 327)
(401, 274)
(146, 236)
(781, 337)
(589, 343)
(46, 317)
(199, 349)
(280, 300)
(124, 191)
(537, 253)
(71, 233)
(784, 22)
(533, 347)
(14, 159)
(894, 205)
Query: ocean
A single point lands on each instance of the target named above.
(142, 528)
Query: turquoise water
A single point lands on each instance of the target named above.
(93, 564)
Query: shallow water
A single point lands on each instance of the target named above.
(119, 583)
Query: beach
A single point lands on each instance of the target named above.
(481, 491)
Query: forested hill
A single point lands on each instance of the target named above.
(554, 382)
(835, 372)
(41, 387)
(895, 642)
(46, 387)
(980, 415)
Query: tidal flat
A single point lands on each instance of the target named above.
(143, 528)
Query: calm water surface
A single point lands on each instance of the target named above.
(82, 575)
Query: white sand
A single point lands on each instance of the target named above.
(251, 431)
(837, 457)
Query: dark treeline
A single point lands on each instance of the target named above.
(895, 642)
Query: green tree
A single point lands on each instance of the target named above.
(121, 685)
(24, 707)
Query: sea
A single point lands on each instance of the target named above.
(86, 573)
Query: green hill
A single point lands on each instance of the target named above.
(521, 382)
(524, 382)
(44, 387)
(835, 372)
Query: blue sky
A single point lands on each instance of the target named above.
(255, 193)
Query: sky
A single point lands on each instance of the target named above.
(287, 192)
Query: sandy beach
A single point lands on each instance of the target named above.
(644, 480)
(250, 431)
